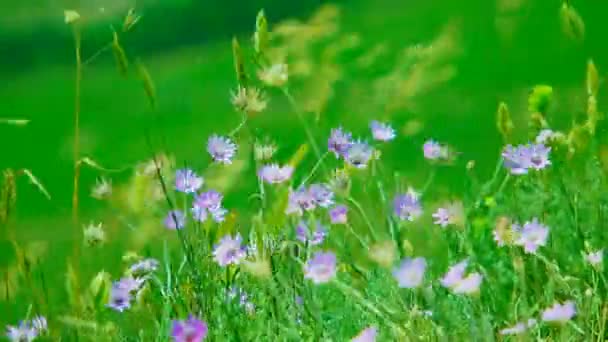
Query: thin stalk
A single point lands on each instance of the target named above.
(307, 130)
(76, 151)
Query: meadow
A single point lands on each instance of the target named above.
(313, 179)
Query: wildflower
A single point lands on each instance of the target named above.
(144, 267)
(274, 76)
(383, 253)
(40, 324)
(410, 273)
(221, 149)
(433, 150)
(340, 182)
(524, 157)
(544, 136)
(187, 181)
(249, 100)
(359, 154)
(274, 173)
(24, 332)
(175, 219)
(596, 258)
(382, 131)
(533, 235)
(468, 285)
(337, 215)
(199, 214)
(229, 251)
(209, 202)
(559, 313)
(504, 231)
(407, 206)
(366, 335)
(539, 156)
(299, 201)
(442, 217)
(339, 142)
(94, 234)
(322, 195)
(456, 281)
(189, 330)
(120, 298)
(321, 268)
(129, 284)
(314, 237)
(454, 274)
(518, 328)
(102, 189)
(263, 152)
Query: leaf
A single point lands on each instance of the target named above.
(15, 122)
(122, 63)
(239, 64)
(572, 23)
(35, 182)
(260, 37)
(148, 83)
(72, 287)
(592, 80)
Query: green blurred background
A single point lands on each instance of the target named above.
(500, 49)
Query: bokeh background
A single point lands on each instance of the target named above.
(472, 54)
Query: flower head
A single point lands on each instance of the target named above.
(24, 332)
(175, 219)
(469, 284)
(102, 189)
(187, 181)
(249, 100)
(314, 237)
(144, 267)
(275, 76)
(382, 131)
(559, 313)
(40, 324)
(120, 297)
(322, 195)
(368, 334)
(410, 273)
(533, 235)
(229, 250)
(209, 200)
(407, 206)
(455, 274)
(442, 217)
(596, 258)
(433, 150)
(273, 173)
(189, 330)
(94, 234)
(519, 160)
(299, 201)
(518, 328)
(544, 136)
(221, 149)
(339, 142)
(321, 268)
(359, 154)
(337, 214)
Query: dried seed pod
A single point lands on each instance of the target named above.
(239, 64)
(503, 121)
(148, 83)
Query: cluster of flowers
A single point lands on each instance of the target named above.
(28, 330)
(522, 158)
(557, 313)
(243, 299)
(531, 235)
(357, 152)
(124, 290)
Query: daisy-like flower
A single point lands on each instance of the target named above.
(187, 181)
(120, 297)
(368, 334)
(559, 313)
(339, 142)
(382, 131)
(337, 214)
(516, 160)
(40, 324)
(539, 156)
(229, 251)
(314, 237)
(189, 330)
(221, 149)
(454, 274)
(102, 189)
(321, 268)
(322, 195)
(275, 75)
(249, 100)
(209, 200)
(469, 284)
(299, 201)
(442, 217)
(359, 154)
(94, 234)
(129, 284)
(410, 273)
(144, 267)
(274, 174)
(432, 150)
(595, 259)
(175, 219)
(24, 332)
(518, 328)
(533, 235)
(407, 206)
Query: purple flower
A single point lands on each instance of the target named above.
(560, 313)
(337, 215)
(518, 328)
(120, 298)
(275, 174)
(187, 181)
(533, 235)
(442, 217)
(455, 274)
(382, 131)
(129, 284)
(221, 149)
(190, 330)
(322, 195)
(596, 258)
(433, 150)
(229, 250)
(469, 284)
(407, 206)
(410, 273)
(144, 267)
(175, 219)
(524, 157)
(314, 237)
(321, 268)
(40, 324)
(299, 201)
(359, 154)
(209, 200)
(539, 156)
(199, 214)
(339, 142)
(24, 332)
(368, 334)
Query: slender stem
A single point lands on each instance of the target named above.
(429, 180)
(365, 218)
(314, 169)
(97, 53)
(307, 130)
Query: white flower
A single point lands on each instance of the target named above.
(275, 76)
